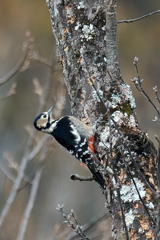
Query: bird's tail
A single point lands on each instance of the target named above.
(97, 176)
(91, 163)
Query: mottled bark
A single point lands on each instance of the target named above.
(85, 33)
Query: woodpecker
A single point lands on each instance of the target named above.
(73, 135)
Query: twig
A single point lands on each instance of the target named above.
(139, 18)
(94, 223)
(33, 193)
(25, 156)
(18, 65)
(138, 84)
(156, 92)
(7, 173)
(3, 238)
(72, 222)
(81, 178)
(36, 57)
(31, 179)
(13, 164)
(10, 92)
(37, 148)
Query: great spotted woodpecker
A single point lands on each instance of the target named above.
(72, 134)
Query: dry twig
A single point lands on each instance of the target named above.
(139, 18)
(72, 222)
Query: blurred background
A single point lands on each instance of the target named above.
(18, 112)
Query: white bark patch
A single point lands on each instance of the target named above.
(129, 218)
(87, 31)
(132, 122)
(55, 8)
(77, 26)
(115, 100)
(104, 137)
(129, 193)
(150, 205)
(118, 117)
(81, 5)
(128, 95)
(95, 96)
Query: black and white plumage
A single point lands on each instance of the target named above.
(73, 135)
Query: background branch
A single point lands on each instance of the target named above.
(139, 18)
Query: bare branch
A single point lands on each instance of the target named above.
(139, 18)
(72, 222)
(156, 92)
(34, 55)
(18, 65)
(25, 156)
(10, 92)
(75, 177)
(7, 172)
(3, 238)
(33, 194)
(37, 148)
(138, 84)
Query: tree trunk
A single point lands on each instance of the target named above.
(85, 33)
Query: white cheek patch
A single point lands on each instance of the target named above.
(51, 128)
(42, 123)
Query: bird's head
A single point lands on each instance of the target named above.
(44, 121)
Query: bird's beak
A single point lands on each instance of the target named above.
(50, 111)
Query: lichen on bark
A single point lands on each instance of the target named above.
(85, 33)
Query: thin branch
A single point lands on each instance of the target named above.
(75, 177)
(37, 148)
(138, 84)
(17, 67)
(10, 92)
(36, 57)
(3, 238)
(33, 194)
(139, 18)
(13, 164)
(31, 179)
(7, 172)
(25, 156)
(156, 92)
(72, 222)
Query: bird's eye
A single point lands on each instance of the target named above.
(44, 116)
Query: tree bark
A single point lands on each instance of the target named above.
(85, 33)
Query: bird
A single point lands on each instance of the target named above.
(73, 135)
